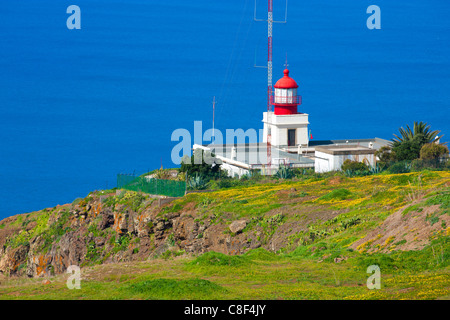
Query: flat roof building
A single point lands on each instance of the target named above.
(332, 157)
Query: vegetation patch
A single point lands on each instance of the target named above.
(219, 259)
(441, 198)
(56, 230)
(261, 254)
(175, 289)
(337, 194)
(134, 200)
(24, 236)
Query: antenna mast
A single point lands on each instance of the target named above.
(214, 106)
(269, 52)
(269, 72)
(269, 81)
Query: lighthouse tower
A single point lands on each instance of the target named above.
(286, 126)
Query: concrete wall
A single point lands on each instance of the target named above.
(302, 135)
(323, 162)
(326, 162)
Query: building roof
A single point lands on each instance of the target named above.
(255, 155)
(376, 142)
(286, 82)
(345, 149)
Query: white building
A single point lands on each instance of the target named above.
(331, 157)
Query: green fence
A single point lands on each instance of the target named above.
(169, 188)
(417, 165)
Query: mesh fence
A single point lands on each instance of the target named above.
(169, 188)
(418, 164)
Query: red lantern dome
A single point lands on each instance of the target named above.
(286, 82)
(285, 99)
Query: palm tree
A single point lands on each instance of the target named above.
(407, 145)
(419, 128)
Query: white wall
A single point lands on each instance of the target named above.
(323, 162)
(280, 124)
(327, 162)
(302, 135)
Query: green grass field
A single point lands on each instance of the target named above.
(258, 275)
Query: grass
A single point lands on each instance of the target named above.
(171, 289)
(298, 276)
(339, 194)
(219, 259)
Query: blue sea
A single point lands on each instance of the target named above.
(79, 106)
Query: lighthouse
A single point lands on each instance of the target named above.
(285, 99)
(287, 127)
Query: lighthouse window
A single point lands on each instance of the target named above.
(285, 95)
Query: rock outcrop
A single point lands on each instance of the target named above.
(108, 229)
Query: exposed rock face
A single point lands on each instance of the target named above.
(69, 250)
(237, 226)
(107, 220)
(94, 230)
(13, 258)
(126, 227)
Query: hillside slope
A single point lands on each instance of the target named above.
(381, 213)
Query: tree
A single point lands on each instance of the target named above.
(386, 155)
(407, 145)
(419, 128)
(432, 151)
(203, 164)
(408, 149)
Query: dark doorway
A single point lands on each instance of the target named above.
(291, 137)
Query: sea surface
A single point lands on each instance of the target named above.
(79, 106)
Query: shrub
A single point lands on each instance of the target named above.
(385, 155)
(354, 166)
(284, 172)
(121, 243)
(197, 182)
(262, 255)
(345, 224)
(384, 261)
(400, 167)
(162, 174)
(202, 163)
(224, 183)
(431, 151)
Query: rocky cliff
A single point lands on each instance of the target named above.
(108, 228)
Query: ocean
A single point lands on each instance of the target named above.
(79, 106)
